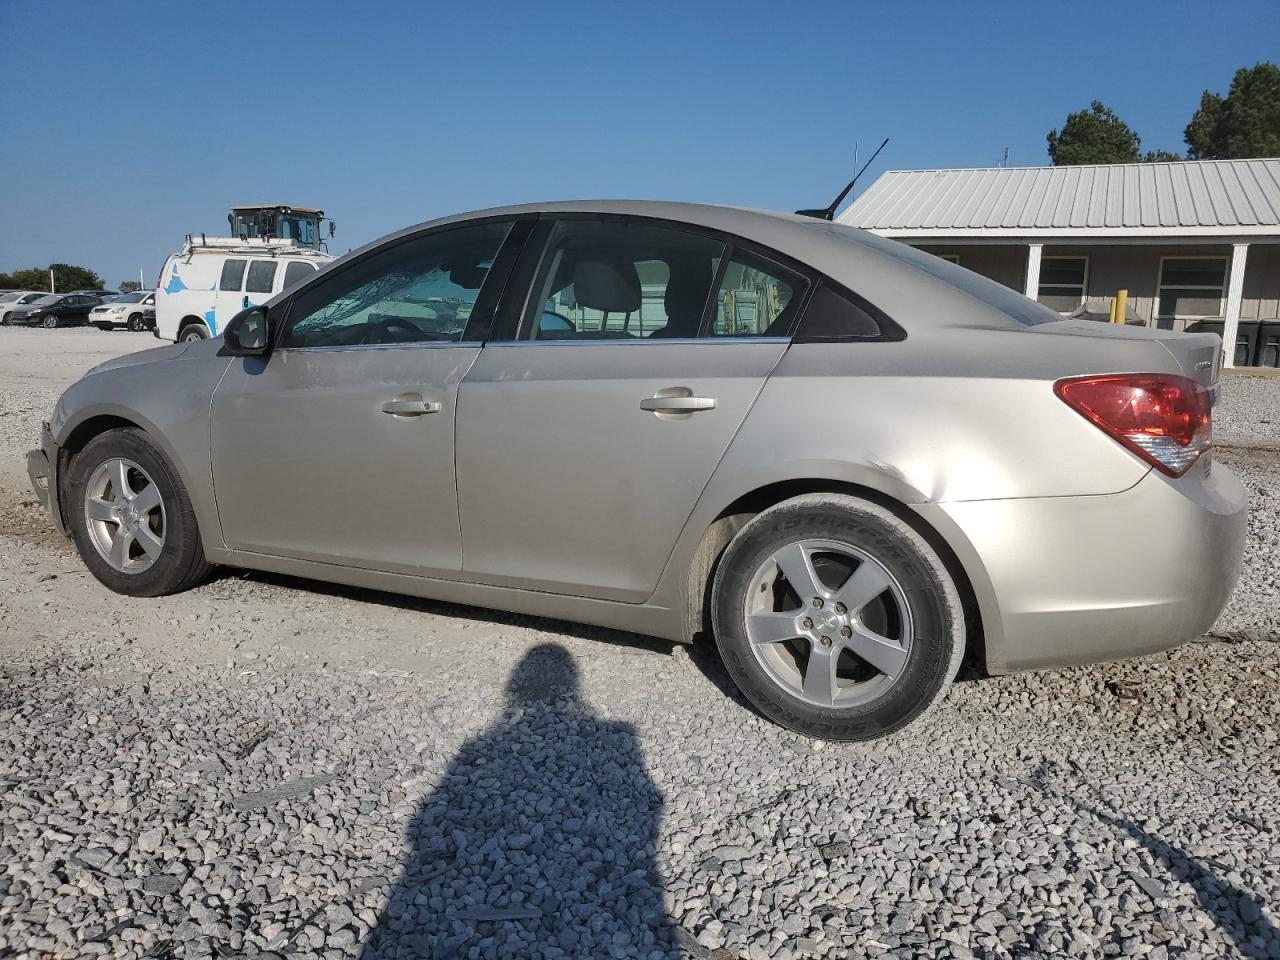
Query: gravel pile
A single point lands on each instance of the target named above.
(267, 768)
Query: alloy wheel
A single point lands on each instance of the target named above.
(125, 515)
(828, 622)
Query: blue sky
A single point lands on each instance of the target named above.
(128, 125)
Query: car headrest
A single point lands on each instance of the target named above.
(469, 277)
(686, 295)
(613, 287)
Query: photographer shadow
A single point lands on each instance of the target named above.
(539, 840)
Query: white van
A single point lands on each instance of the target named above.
(209, 281)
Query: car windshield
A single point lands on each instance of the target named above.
(47, 300)
(130, 297)
(32, 297)
(9, 297)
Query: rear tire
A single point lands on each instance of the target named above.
(836, 619)
(131, 518)
(193, 331)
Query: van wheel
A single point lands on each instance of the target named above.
(135, 322)
(194, 332)
(836, 619)
(131, 517)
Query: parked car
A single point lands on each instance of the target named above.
(208, 282)
(16, 298)
(849, 461)
(55, 310)
(136, 311)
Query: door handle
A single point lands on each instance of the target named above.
(410, 408)
(678, 404)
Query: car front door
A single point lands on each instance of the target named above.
(338, 447)
(260, 282)
(585, 438)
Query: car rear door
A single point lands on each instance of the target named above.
(588, 427)
(338, 447)
(76, 309)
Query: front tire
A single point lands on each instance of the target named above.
(50, 323)
(135, 323)
(131, 517)
(836, 619)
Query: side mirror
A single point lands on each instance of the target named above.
(248, 334)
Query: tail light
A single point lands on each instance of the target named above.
(1164, 419)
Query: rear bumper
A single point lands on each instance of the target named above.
(1086, 579)
(42, 471)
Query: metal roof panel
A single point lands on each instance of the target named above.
(1179, 196)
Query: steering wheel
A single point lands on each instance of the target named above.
(393, 330)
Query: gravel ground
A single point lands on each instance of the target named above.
(1249, 413)
(268, 767)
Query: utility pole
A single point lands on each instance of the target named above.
(1005, 161)
(51, 288)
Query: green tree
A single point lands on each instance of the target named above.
(1162, 156)
(1245, 123)
(130, 286)
(65, 277)
(1095, 135)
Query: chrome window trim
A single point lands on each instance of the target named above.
(427, 344)
(638, 341)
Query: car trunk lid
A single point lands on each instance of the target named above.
(1198, 355)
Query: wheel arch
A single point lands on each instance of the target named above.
(76, 433)
(981, 614)
(191, 319)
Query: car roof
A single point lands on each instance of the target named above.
(895, 277)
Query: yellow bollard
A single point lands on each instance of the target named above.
(1111, 315)
(1121, 306)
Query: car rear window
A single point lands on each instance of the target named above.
(261, 275)
(831, 315)
(296, 272)
(232, 275)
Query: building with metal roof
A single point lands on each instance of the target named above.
(1194, 245)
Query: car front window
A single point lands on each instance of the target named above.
(421, 290)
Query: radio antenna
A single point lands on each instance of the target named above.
(829, 213)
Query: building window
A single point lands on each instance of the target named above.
(1191, 287)
(1062, 282)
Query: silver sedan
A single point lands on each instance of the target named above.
(851, 463)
